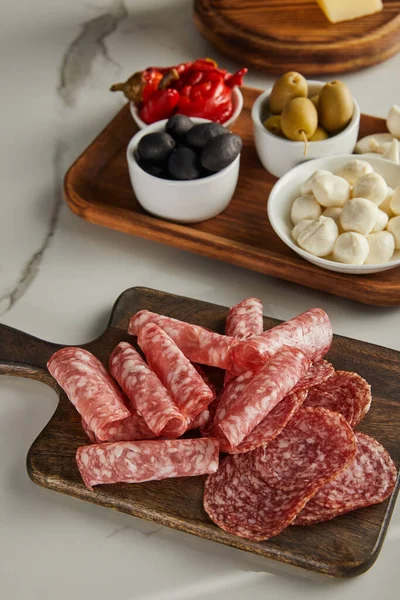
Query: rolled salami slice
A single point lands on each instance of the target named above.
(315, 443)
(183, 383)
(316, 374)
(344, 392)
(272, 425)
(89, 387)
(135, 462)
(245, 319)
(130, 429)
(369, 479)
(264, 391)
(310, 332)
(146, 392)
(197, 344)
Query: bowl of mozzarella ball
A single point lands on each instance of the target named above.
(340, 213)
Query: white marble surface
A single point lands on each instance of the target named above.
(60, 275)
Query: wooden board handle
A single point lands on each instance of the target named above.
(24, 355)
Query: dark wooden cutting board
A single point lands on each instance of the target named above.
(343, 547)
(97, 188)
(286, 35)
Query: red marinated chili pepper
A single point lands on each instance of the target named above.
(197, 89)
(160, 105)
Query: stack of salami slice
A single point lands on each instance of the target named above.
(284, 417)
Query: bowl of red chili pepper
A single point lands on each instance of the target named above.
(196, 89)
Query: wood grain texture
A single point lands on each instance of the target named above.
(344, 547)
(285, 35)
(97, 188)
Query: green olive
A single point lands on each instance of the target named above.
(315, 100)
(319, 135)
(299, 119)
(273, 124)
(290, 85)
(335, 107)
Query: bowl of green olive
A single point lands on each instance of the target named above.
(297, 120)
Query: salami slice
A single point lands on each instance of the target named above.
(200, 420)
(344, 392)
(315, 443)
(146, 392)
(316, 374)
(369, 479)
(272, 425)
(240, 502)
(310, 332)
(184, 384)
(197, 344)
(130, 429)
(275, 380)
(89, 387)
(135, 462)
(245, 319)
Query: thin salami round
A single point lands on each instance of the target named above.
(146, 392)
(135, 462)
(89, 387)
(239, 501)
(182, 381)
(275, 380)
(245, 319)
(369, 479)
(310, 332)
(315, 443)
(197, 344)
(344, 392)
(316, 374)
(273, 424)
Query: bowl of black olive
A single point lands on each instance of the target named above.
(184, 169)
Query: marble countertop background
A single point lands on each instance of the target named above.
(59, 277)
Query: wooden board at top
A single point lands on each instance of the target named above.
(294, 35)
(98, 188)
(343, 547)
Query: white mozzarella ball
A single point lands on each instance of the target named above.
(381, 221)
(306, 187)
(395, 201)
(372, 187)
(381, 247)
(394, 227)
(393, 121)
(351, 248)
(299, 228)
(319, 237)
(334, 213)
(354, 169)
(331, 190)
(359, 215)
(305, 207)
(385, 206)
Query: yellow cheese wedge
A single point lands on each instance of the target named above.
(346, 10)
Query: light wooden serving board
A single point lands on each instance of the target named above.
(343, 547)
(294, 35)
(97, 188)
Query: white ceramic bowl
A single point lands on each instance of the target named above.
(237, 101)
(279, 155)
(288, 188)
(181, 201)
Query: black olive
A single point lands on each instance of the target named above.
(177, 127)
(155, 147)
(221, 152)
(199, 135)
(184, 164)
